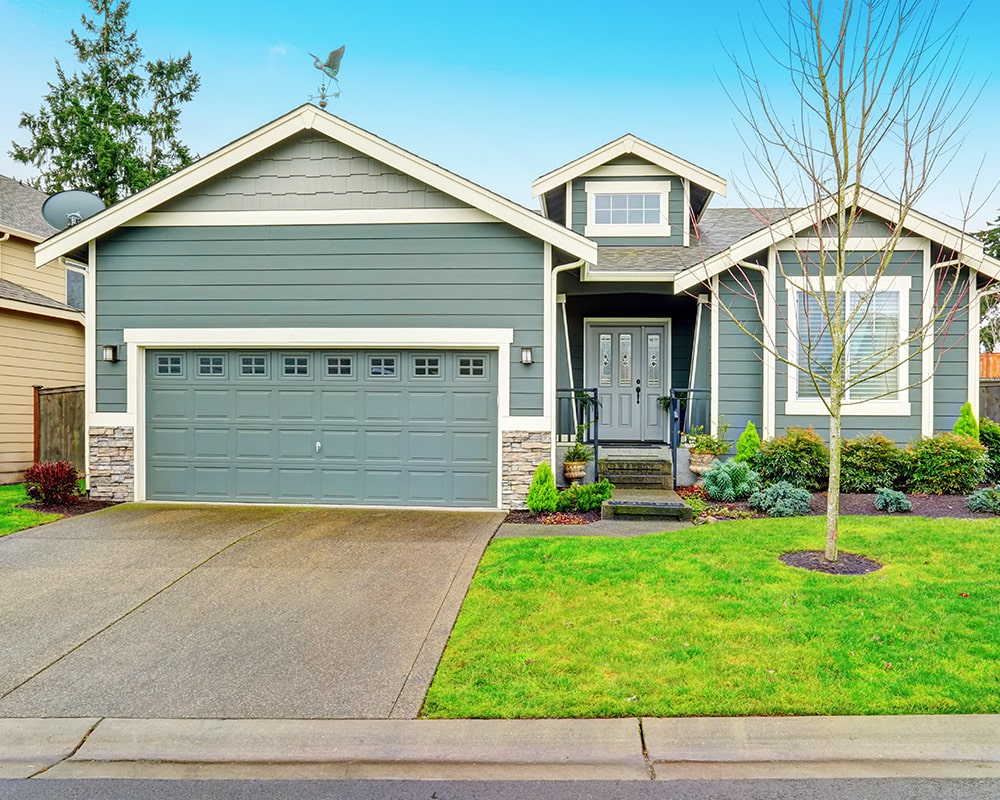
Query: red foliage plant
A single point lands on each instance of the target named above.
(52, 482)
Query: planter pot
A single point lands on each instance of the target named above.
(574, 470)
(701, 462)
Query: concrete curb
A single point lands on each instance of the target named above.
(961, 746)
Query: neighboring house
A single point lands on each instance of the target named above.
(312, 314)
(41, 326)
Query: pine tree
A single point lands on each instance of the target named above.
(93, 131)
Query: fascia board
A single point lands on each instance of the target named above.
(309, 118)
(41, 311)
(625, 145)
(31, 237)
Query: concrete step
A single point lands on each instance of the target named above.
(634, 480)
(646, 504)
(613, 466)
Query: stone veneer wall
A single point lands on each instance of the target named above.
(523, 451)
(112, 464)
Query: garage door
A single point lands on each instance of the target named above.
(368, 427)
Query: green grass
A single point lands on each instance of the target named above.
(706, 621)
(13, 518)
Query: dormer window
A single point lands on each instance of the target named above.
(627, 208)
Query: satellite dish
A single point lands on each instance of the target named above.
(66, 209)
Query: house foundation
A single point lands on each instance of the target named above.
(112, 464)
(523, 451)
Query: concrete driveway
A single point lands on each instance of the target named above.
(232, 611)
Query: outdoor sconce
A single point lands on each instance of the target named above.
(109, 352)
(526, 358)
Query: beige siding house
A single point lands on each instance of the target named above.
(41, 330)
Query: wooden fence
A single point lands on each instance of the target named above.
(989, 398)
(989, 366)
(59, 425)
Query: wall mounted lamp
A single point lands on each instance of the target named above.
(526, 357)
(109, 352)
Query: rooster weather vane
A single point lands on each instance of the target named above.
(330, 68)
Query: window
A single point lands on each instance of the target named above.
(253, 366)
(75, 289)
(212, 366)
(471, 367)
(170, 365)
(382, 366)
(878, 324)
(426, 367)
(627, 208)
(339, 366)
(295, 366)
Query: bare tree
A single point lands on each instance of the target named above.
(876, 103)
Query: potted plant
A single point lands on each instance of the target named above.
(575, 459)
(706, 447)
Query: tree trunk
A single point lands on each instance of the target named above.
(833, 486)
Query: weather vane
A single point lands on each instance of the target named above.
(330, 68)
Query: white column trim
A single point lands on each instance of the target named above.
(770, 300)
(713, 405)
(928, 344)
(972, 335)
(687, 211)
(90, 350)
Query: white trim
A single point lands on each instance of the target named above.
(452, 338)
(11, 231)
(770, 390)
(713, 357)
(359, 216)
(928, 345)
(625, 145)
(528, 424)
(41, 311)
(548, 332)
(111, 419)
(888, 406)
(593, 274)
(808, 244)
(627, 171)
(686, 184)
(305, 118)
(90, 350)
(972, 339)
(243, 504)
(595, 188)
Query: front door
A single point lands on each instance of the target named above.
(628, 362)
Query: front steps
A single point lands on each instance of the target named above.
(644, 484)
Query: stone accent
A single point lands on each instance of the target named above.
(112, 464)
(523, 451)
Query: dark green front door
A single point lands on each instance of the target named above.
(344, 427)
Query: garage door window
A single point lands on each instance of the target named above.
(170, 365)
(382, 366)
(295, 366)
(471, 367)
(253, 366)
(212, 366)
(426, 366)
(339, 366)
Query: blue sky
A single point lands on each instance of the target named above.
(500, 93)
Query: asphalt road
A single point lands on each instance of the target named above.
(855, 789)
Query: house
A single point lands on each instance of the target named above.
(41, 325)
(315, 315)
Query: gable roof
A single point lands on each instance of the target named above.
(21, 211)
(628, 145)
(793, 222)
(15, 297)
(310, 118)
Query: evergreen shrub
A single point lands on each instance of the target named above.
(966, 424)
(781, 499)
(543, 495)
(948, 463)
(989, 437)
(748, 445)
(799, 457)
(892, 501)
(731, 480)
(872, 462)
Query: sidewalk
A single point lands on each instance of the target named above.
(613, 749)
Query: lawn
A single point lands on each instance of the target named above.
(13, 518)
(706, 621)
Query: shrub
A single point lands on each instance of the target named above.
(966, 424)
(989, 437)
(872, 462)
(799, 457)
(892, 501)
(781, 499)
(542, 495)
(748, 445)
(730, 480)
(987, 500)
(52, 482)
(947, 464)
(584, 497)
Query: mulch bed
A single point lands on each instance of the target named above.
(562, 518)
(82, 506)
(846, 563)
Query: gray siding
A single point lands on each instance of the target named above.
(311, 172)
(951, 386)
(900, 429)
(675, 212)
(741, 367)
(358, 276)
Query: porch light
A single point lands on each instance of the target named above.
(109, 352)
(526, 358)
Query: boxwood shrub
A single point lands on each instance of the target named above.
(872, 462)
(948, 463)
(799, 457)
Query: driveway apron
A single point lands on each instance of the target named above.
(232, 611)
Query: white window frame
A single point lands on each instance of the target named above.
(595, 188)
(881, 407)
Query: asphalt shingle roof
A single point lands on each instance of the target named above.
(21, 208)
(719, 228)
(14, 291)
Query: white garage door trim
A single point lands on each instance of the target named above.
(139, 339)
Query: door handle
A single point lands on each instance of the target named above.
(318, 446)
(638, 390)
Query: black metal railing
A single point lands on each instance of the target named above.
(576, 407)
(689, 412)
